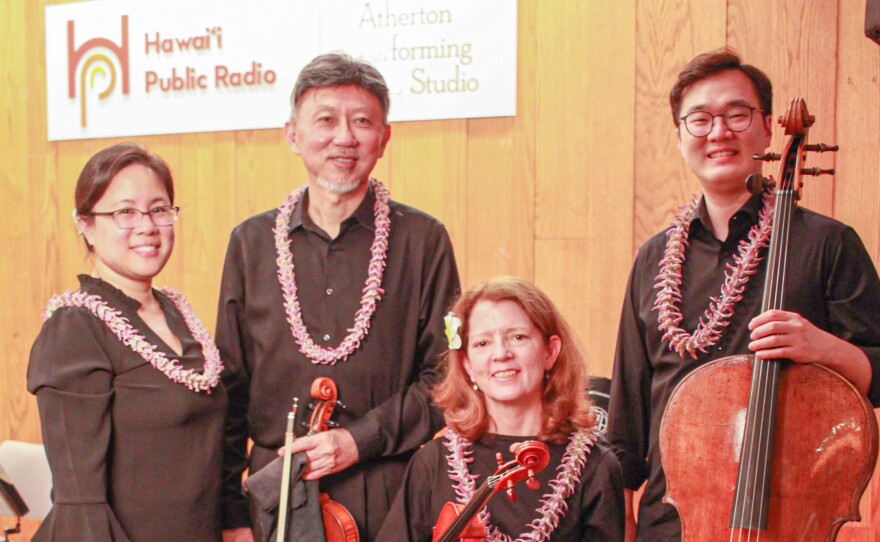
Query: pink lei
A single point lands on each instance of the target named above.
(553, 503)
(129, 336)
(372, 290)
(720, 310)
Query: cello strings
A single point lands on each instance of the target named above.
(771, 367)
(765, 375)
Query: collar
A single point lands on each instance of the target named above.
(111, 294)
(751, 209)
(364, 214)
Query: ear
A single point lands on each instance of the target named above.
(466, 364)
(386, 137)
(554, 347)
(290, 136)
(768, 128)
(678, 135)
(85, 226)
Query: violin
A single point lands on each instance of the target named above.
(769, 449)
(460, 522)
(339, 525)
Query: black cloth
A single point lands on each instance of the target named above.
(594, 510)
(134, 456)
(304, 522)
(831, 282)
(384, 383)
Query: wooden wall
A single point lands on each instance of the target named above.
(563, 193)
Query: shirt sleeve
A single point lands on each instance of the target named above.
(229, 341)
(410, 518)
(853, 297)
(602, 509)
(72, 377)
(407, 419)
(629, 410)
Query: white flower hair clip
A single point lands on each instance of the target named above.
(453, 324)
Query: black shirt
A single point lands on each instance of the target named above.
(384, 383)
(831, 282)
(592, 513)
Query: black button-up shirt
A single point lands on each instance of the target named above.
(384, 383)
(831, 281)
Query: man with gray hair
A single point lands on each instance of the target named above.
(339, 282)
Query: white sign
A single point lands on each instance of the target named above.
(121, 68)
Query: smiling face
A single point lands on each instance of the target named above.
(129, 258)
(507, 356)
(723, 159)
(340, 133)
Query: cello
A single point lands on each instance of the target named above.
(460, 522)
(768, 450)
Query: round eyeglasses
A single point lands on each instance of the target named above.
(129, 218)
(737, 119)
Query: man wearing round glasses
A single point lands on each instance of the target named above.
(722, 110)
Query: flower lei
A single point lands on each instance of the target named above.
(372, 291)
(129, 336)
(553, 504)
(736, 277)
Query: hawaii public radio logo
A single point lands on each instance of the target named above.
(96, 67)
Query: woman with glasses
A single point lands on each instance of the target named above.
(513, 373)
(126, 377)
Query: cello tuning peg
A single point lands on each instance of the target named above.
(756, 183)
(767, 157)
(814, 171)
(532, 483)
(821, 147)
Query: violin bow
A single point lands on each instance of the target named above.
(285, 473)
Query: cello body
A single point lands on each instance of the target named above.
(824, 452)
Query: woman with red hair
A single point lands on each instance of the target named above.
(513, 372)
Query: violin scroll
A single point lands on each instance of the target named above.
(324, 389)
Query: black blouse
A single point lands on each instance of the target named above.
(134, 456)
(594, 511)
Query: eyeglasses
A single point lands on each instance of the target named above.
(737, 119)
(129, 218)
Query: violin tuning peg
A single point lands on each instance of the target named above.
(340, 404)
(304, 423)
(311, 406)
(499, 459)
(767, 157)
(331, 423)
(817, 171)
(531, 482)
(511, 492)
(821, 147)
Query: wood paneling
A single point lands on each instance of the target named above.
(564, 193)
